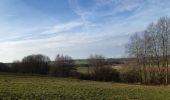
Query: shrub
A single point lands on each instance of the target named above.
(130, 76)
(4, 67)
(101, 72)
(15, 66)
(105, 74)
(38, 64)
(63, 66)
(84, 76)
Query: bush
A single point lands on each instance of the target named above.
(15, 67)
(83, 76)
(4, 67)
(100, 71)
(38, 64)
(130, 76)
(63, 66)
(105, 74)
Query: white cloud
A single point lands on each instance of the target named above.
(67, 44)
(65, 27)
(105, 28)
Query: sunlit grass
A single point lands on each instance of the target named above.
(41, 87)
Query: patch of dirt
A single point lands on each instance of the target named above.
(119, 68)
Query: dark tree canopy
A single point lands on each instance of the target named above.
(4, 67)
(35, 64)
(63, 66)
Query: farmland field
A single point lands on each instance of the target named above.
(50, 88)
(84, 69)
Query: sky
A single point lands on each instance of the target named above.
(77, 28)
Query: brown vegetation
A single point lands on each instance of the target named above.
(63, 66)
(151, 50)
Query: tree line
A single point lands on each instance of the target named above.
(150, 50)
(63, 66)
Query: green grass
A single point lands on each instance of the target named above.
(84, 69)
(50, 88)
(81, 61)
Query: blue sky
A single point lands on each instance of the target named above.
(74, 27)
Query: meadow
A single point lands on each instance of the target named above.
(38, 87)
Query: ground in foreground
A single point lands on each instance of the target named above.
(50, 88)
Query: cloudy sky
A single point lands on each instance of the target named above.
(74, 27)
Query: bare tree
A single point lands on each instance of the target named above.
(63, 66)
(100, 71)
(134, 48)
(152, 48)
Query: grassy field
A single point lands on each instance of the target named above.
(50, 88)
(84, 69)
